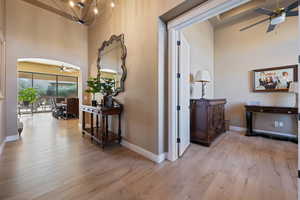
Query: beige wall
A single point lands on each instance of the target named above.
(138, 20)
(2, 101)
(201, 40)
(36, 33)
(238, 53)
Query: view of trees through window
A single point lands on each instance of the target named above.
(48, 86)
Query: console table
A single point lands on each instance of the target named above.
(273, 110)
(99, 132)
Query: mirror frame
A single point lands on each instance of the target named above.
(113, 38)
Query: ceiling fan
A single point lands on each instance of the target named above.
(276, 16)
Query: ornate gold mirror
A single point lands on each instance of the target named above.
(111, 62)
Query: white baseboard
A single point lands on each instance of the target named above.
(242, 129)
(12, 138)
(237, 128)
(151, 156)
(2, 146)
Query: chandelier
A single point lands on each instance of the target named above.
(82, 11)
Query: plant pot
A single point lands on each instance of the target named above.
(26, 103)
(108, 101)
(94, 103)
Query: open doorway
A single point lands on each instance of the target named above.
(231, 55)
(48, 87)
(49, 80)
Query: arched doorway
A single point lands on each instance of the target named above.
(43, 81)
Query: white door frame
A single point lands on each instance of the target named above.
(198, 14)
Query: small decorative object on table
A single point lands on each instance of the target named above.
(203, 77)
(94, 88)
(294, 89)
(106, 89)
(20, 126)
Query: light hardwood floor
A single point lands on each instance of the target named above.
(53, 161)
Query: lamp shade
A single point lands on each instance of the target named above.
(202, 76)
(293, 87)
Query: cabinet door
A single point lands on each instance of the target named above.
(218, 119)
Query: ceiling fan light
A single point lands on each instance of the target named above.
(72, 4)
(279, 19)
(80, 21)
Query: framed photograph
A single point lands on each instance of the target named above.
(2, 65)
(276, 79)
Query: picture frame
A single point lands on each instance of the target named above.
(2, 65)
(275, 79)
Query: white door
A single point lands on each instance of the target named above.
(184, 95)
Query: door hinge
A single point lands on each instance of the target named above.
(298, 173)
(178, 108)
(298, 116)
(178, 75)
(178, 43)
(178, 140)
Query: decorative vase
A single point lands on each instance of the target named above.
(26, 103)
(94, 103)
(108, 101)
(20, 126)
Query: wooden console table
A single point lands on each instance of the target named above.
(99, 132)
(273, 110)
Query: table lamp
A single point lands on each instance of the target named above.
(294, 89)
(203, 77)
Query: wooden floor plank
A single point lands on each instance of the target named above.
(53, 161)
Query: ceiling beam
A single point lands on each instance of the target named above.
(250, 6)
(44, 6)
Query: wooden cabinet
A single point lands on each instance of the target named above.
(207, 120)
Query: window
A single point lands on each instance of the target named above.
(48, 86)
(45, 84)
(67, 86)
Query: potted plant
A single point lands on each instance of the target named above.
(107, 86)
(28, 96)
(94, 87)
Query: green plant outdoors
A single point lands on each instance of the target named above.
(29, 95)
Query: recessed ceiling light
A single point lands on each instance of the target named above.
(72, 4)
(112, 4)
(96, 11)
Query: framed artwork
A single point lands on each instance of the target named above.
(276, 79)
(2, 65)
